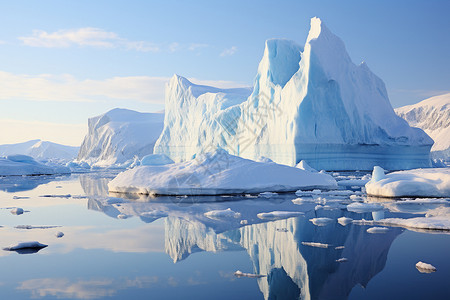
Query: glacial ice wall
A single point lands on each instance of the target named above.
(433, 116)
(310, 103)
(116, 137)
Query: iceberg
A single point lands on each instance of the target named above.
(432, 182)
(308, 103)
(17, 165)
(40, 150)
(433, 116)
(118, 136)
(216, 173)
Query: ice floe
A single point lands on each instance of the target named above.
(363, 207)
(321, 221)
(249, 275)
(433, 182)
(25, 245)
(314, 244)
(222, 214)
(217, 173)
(425, 268)
(377, 230)
(344, 221)
(275, 215)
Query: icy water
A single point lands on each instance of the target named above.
(166, 248)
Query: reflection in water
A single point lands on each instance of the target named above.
(14, 184)
(294, 270)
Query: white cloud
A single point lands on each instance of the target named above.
(47, 87)
(87, 37)
(229, 51)
(194, 46)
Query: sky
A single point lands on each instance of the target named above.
(65, 61)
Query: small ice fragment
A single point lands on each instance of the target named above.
(250, 196)
(425, 268)
(122, 216)
(25, 245)
(279, 215)
(339, 247)
(59, 234)
(268, 194)
(220, 214)
(20, 197)
(378, 230)
(17, 211)
(342, 259)
(56, 196)
(313, 244)
(249, 275)
(243, 222)
(321, 221)
(299, 201)
(344, 221)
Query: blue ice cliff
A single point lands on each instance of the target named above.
(308, 103)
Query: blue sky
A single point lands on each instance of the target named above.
(65, 61)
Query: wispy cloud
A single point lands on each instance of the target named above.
(47, 87)
(229, 51)
(84, 37)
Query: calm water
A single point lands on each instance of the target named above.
(165, 248)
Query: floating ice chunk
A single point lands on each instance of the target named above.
(344, 221)
(216, 173)
(249, 275)
(59, 234)
(20, 197)
(35, 227)
(56, 196)
(222, 214)
(17, 211)
(268, 194)
(363, 207)
(300, 201)
(377, 230)
(308, 193)
(274, 215)
(430, 223)
(122, 216)
(317, 245)
(339, 247)
(304, 166)
(342, 259)
(321, 221)
(432, 182)
(243, 222)
(156, 160)
(425, 268)
(25, 245)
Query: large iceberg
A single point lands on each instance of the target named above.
(433, 116)
(310, 103)
(40, 150)
(118, 136)
(216, 173)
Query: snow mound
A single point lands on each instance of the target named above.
(118, 136)
(433, 182)
(26, 165)
(216, 173)
(308, 103)
(425, 268)
(433, 116)
(276, 215)
(222, 214)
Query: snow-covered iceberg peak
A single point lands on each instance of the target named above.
(310, 103)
